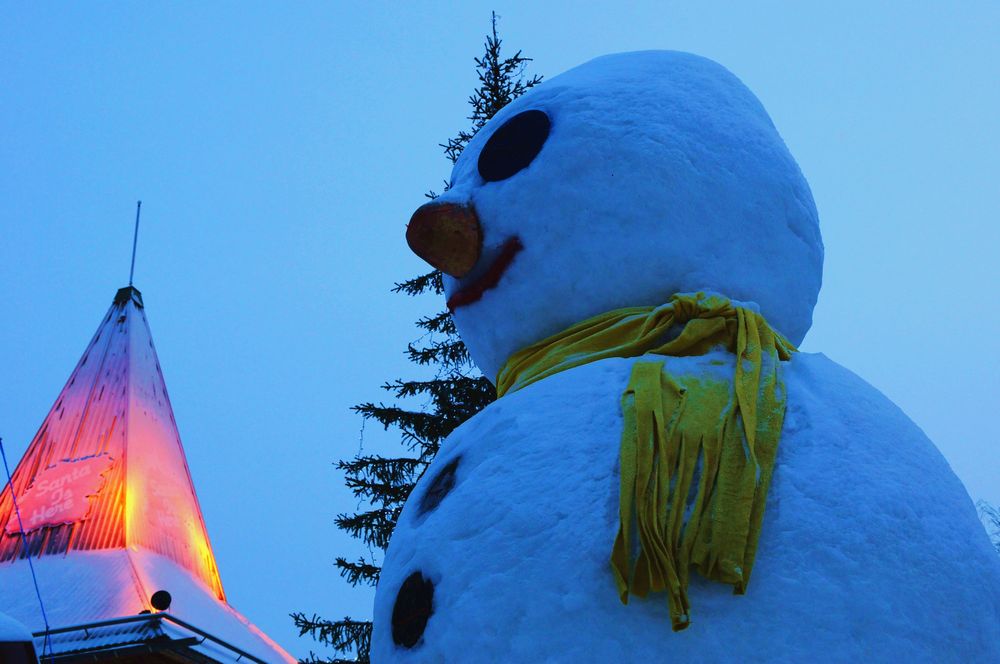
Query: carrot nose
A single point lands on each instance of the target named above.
(446, 235)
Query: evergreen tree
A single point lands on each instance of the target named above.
(457, 392)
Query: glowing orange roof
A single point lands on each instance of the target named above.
(106, 469)
(108, 508)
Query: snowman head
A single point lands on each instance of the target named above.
(617, 184)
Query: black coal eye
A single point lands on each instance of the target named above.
(513, 145)
(439, 487)
(413, 608)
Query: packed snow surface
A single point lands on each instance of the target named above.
(870, 550)
(661, 174)
(12, 631)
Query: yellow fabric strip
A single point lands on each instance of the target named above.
(697, 453)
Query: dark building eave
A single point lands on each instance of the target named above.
(150, 637)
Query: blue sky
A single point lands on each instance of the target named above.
(280, 149)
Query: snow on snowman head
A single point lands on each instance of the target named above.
(617, 184)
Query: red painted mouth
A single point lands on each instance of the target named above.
(473, 291)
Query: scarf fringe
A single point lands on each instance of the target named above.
(713, 438)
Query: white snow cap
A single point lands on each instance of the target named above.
(11, 631)
(662, 173)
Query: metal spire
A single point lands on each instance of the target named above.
(135, 239)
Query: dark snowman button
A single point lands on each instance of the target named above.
(414, 606)
(514, 145)
(439, 487)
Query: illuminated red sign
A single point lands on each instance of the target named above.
(59, 494)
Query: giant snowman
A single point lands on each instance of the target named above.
(622, 183)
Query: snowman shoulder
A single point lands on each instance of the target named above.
(848, 451)
(832, 401)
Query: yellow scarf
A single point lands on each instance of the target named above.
(683, 435)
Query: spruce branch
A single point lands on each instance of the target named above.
(344, 636)
(419, 285)
(373, 527)
(359, 572)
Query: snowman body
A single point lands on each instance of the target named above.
(660, 173)
(870, 549)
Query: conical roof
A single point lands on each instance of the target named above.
(106, 468)
(108, 511)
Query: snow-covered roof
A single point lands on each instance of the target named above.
(12, 630)
(93, 586)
